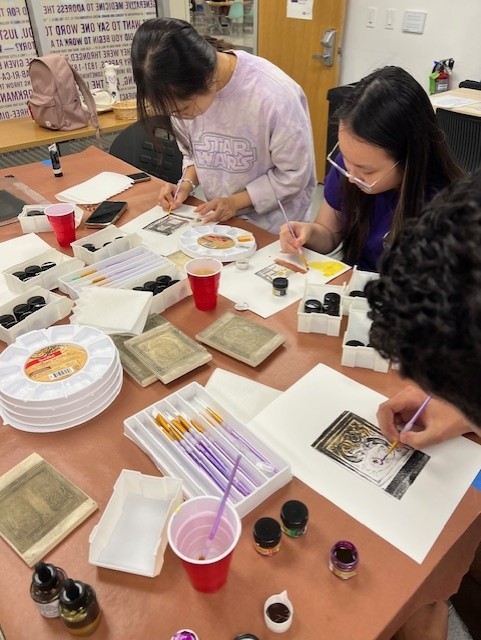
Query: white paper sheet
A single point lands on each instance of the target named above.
(246, 286)
(101, 187)
(412, 524)
(156, 241)
(450, 102)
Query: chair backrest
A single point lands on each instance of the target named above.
(463, 135)
(136, 146)
(236, 11)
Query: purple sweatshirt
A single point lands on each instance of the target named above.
(256, 135)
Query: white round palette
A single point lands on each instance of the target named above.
(217, 241)
(56, 378)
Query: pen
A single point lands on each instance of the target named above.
(408, 426)
(291, 231)
(177, 189)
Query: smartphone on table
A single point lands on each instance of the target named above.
(139, 177)
(108, 212)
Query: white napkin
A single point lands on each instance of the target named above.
(249, 398)
(101, 187)
(112, 310)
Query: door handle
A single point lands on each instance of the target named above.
(328, 41)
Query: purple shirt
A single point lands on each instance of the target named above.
(381, 216)
(257, 136)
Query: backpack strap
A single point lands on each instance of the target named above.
(90, 102)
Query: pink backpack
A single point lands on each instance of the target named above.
(55, 100)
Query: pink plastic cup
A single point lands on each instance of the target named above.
(62, 220)
(204, 277)
(187, 533)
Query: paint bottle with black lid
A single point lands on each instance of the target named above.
(47, 581)
(78, 607)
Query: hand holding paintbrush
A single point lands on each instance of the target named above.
(407, 427)
(291, 231)
(177, 189)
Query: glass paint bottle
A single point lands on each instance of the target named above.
(47, 580)
(78, 608)
(343, 560)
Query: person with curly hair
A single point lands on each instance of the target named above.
(426, 316)
(242, 124)
(390, 160)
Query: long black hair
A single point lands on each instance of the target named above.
(171, 61)
(391, 110)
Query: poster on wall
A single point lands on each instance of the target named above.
(301, 9)
(17, 47)
(92, 34)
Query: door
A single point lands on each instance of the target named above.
(291, 43)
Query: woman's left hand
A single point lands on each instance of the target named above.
(217, 210)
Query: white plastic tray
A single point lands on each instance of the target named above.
(260, 476)
(131, 535)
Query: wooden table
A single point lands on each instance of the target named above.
(473, 109)
(24, 133)
(372, 606)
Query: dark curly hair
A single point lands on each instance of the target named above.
(426, 306)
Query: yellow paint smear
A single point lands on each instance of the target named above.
(329, 268)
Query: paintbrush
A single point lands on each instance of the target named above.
(407, 427)
(291, 231)
(220, 511)
(177, 189)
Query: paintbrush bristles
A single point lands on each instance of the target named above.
(291, 231)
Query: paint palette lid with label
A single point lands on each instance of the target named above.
(54, 379)
(217, 241)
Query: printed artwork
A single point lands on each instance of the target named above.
(167, 225)
(360, 446)
(274, 271)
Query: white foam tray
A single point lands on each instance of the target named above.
(358, 328)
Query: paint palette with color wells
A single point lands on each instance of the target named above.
(217, 241)
(190, 435)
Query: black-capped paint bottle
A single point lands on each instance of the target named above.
(47, 581)
(78, 607)
(294, 517)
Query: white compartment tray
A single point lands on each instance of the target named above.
(205, 455)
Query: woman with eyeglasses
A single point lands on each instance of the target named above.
(391, 159)
(242, 124)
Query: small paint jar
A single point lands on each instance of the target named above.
(279, 286)
(45, 266)
(355, 343)
(294, 517)
(7, 320)
(36, 302)
(242, 264)
(21, 275)
(343, 560)
(312, 306)
(185, 634)
(267, 536)
(21, 311)
(246, 636)
(89, 246)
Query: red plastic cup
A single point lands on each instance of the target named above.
(62, 220)
(187, 532)
(204, 277)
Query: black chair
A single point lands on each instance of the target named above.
(463, 135)
(137, 146)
